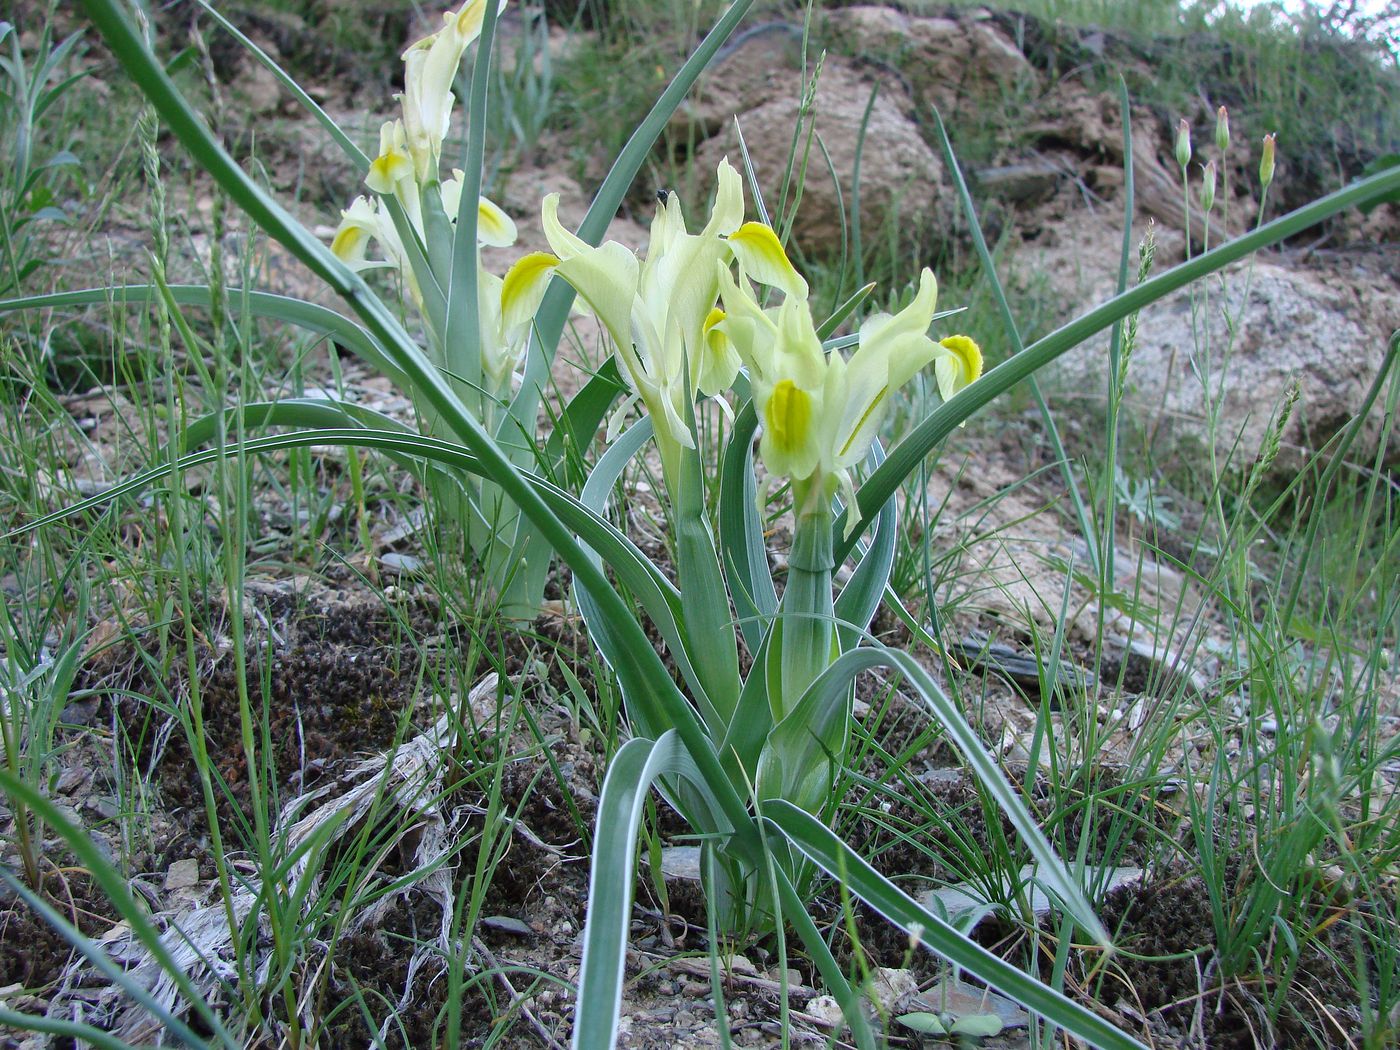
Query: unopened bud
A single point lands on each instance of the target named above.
(1266, 161)
(1183, 143)
(1222, 129)
(1208, 187)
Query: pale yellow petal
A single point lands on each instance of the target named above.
(789, 445)
(387, 169)
(564, 244)
(752, 332)
(865, 397)
(606, 278)
(728, 211)
(524, 286)
(762, 258)
(494, 227)
(716, 361)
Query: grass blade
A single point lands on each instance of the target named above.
(1013, 330)
(356, 155)
(298, 312)
(114, 886)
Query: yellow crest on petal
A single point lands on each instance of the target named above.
(493, 226)
(788, 417)
(762, 258)
(387, 169)
(524, 287)
(964, 364)
(349, 244)
(714, 317)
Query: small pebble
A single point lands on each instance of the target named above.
(182, 875)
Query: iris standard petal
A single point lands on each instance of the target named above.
(728, 210)
(564, 244)
(606, 278)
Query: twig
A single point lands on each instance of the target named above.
(516, 999)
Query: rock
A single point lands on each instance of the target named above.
(899, 173)
(258, 90)
(760, 64)
(1027, 183)
(1081, 131)
(967, 904)
(891, 989)
(183, 874)
(681, 862)
(962, 999)
(947, 61)
(1324, 325)
(825, 1010)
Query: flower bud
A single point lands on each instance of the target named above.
(1208, 187)
(1222, 129)
(1266, 162)
(1183, 144)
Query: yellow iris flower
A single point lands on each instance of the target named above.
(660, 311)
(430, 66)
(820, 412)
(367, 222)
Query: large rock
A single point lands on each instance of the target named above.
(899, 174)
(947, 61)
(1324, 324)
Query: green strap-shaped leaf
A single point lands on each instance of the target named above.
(753, 718)
(649, 719)
(741, 540)
(795, 912)
(1051, 870)
(709, 628)
(580, 421)
(838, 860)
(462, 331)
(638, 764)
(861, 596)
(298, 312)
(305, 412)
(905, 457)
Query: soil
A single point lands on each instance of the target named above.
(343, 674)
(33, 953)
